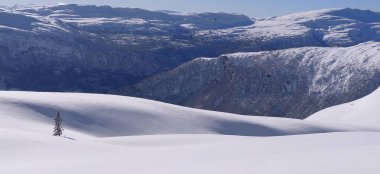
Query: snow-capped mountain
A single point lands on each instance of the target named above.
(101, 49)
(292, 82)
(329, 27)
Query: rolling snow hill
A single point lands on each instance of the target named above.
(170, 139)
(108, 115)
(364, 112)
(292, 82)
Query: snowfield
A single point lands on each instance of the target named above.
(348, 153)
(115, 134)
(363, 112)
(110, 115)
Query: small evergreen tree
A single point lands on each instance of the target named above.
(58, 129)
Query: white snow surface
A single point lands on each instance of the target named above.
(169, 139)
(337, 27)
(110, 115)
(363, 112)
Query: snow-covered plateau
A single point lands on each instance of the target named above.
(115, 134)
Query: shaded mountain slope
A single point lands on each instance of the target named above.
(293, 82)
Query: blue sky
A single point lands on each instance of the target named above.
(253, 8)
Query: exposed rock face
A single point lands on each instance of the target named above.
(293, 82)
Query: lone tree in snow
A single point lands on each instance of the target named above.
(58, 129)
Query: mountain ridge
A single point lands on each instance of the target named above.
(293, 82)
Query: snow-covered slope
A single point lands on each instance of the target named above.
(363, 112)
(349, 153)
(108, 115)
(329, 27)
(292, 82)
(77, 15)
(26, 144)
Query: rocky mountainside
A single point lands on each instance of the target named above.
(292, 82)
(98, 48)
(101, 49)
